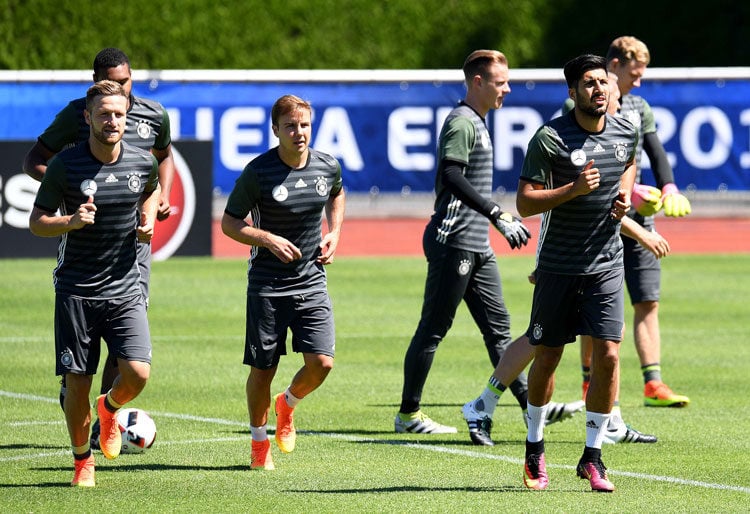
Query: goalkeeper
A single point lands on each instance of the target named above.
(461, 263)
(628, 58)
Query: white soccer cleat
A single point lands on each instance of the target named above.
(622, 433)
(419, 423)
(562, 411)
(559, 411)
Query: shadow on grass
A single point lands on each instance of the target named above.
(123, 469)
(412, 489)
(26, 446)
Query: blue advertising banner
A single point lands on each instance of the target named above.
(385, 133)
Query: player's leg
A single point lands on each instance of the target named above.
(258, 396)
(602, 311)
(129, 339)
(448, 273)
(585, 364)
(77, 346)
(541, 387)
(643, 276)
(314, 336)
(478, 412)
(78, 420)
(484, 299)
(266, 324)
(599, 402)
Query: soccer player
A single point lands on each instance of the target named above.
(657, 247)
(627, 58)
(461, 263)
(578, 172)
(99, 187)
(478, 412)
(147, 128)
(284, 191)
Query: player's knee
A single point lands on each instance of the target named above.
(320, 365)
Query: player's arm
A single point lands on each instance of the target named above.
(166, 178)
(241, 231)
(149, 205)
(658, 157)
(621, 204)
(335, 207)
(675, 204)
(508, 225)
(44, 220)
(35, 161)
(243, 198)
(650, 240)
(61, 132)
(45, 223)
(533, 198)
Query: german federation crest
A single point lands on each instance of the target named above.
(143, 130)
(321, 186)
(621, 152)
(134, 183)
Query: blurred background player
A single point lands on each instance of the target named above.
(98, 239)
(461, 263)
(285, 190)
(147, 128)
(627, 58)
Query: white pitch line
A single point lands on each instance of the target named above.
(344, 437)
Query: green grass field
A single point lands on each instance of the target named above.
(348, 459)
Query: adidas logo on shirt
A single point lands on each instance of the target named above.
(111, 178)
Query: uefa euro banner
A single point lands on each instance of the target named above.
(187, 231)
(383, 125)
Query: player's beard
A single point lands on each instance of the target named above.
(105, 139)
(595, 111)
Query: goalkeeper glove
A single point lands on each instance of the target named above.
(510, 227)
(646, 200)
(675, 204)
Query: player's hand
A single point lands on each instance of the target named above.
(621, 205)
(283, 249)
(587, 180)
(646, 199)
(164, 209)
(328, 248)
(145, 231)
(510, 227)
(84, 215)
(655, 243)
(675, 204)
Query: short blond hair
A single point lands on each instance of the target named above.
(479, 61)
(103, 88)
(628, 48)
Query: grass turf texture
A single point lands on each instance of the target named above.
(347, 457)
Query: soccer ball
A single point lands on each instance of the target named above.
(138, 430)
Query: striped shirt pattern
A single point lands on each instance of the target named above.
(289, 203)
(579, 236)
(98, 261)
(464, 138)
